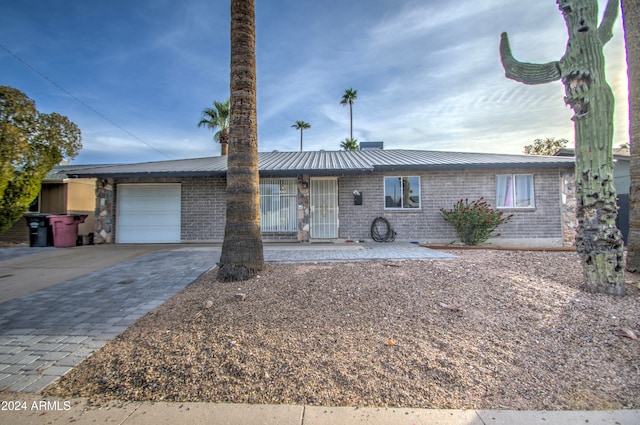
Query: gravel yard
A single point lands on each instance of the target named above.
(488, 330)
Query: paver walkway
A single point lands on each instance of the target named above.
(46, 333)
(351, 252)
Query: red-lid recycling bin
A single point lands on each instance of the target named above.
(65, 229)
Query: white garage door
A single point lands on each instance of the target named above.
(148, 213)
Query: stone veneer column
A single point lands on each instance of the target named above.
(303, 208)
(104, 211)
(568, 207)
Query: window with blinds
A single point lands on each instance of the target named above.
(278, 205)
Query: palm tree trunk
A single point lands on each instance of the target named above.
(224, 143)
(301, 140)
(631, 21)
(242, 255)
(351, 120)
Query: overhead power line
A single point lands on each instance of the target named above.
(83, 103)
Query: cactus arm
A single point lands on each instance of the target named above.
(605, 30)
(527, 73)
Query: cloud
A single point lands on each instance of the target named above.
(428, 73)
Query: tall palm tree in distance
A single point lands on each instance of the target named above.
(242, 256)
(301, 125)
(349, 144)
(349, 96)
(631, 22)
(218, 117)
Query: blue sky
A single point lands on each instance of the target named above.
(428, 74)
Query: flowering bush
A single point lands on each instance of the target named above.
(474, 221)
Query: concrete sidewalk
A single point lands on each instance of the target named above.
(32, 409)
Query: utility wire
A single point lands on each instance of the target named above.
(89, 107)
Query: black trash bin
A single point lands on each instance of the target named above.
(39, 230)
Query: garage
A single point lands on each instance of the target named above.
(148, 213)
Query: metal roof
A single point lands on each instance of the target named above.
(434, 160)
(317, 162)
(182, 167)
(329, 163)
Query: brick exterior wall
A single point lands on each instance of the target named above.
(203, 206)
(442, 189)
(204, 211)
(18, 233)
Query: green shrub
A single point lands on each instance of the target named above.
(474, 221)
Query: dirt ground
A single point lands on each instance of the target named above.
(488, 330)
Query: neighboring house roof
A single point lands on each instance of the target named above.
(618, 153)
(329, 163)
(61, 172)
(210, 166)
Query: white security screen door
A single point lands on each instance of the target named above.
(324, 208)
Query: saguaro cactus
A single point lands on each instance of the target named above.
(581, 70)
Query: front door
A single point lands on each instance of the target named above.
(324, 208)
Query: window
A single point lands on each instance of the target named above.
(278, 205)
(402, 192)
(514, 191)
(34, 206)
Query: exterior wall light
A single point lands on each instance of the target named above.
(357, 197)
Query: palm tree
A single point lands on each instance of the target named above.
(350, 96)
(242, 256)
(218, 117)
(350, 144)
(631, 21)
(301, 125)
